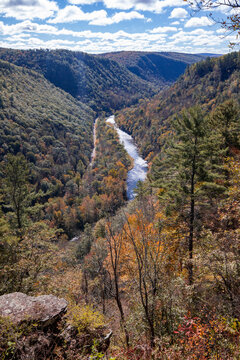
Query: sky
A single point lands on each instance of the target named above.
(100, 26)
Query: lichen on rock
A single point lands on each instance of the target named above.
(44, 309)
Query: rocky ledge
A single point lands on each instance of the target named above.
(35, 328)
(44, 309)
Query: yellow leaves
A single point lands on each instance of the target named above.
(120, 164)
(150, 157)
(85, 319)
(113, 173)
(57, 214)
(160, 191)
(233, 167)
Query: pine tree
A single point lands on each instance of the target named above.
(188, 171)
(16, 189)
(226, 119)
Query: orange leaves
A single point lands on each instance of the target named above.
(88, 209)
(204, 340)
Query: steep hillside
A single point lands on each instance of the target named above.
(51, 128)
(159, 68)
(206, 83)
(100, 83)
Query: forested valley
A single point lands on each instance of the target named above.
(157, 277)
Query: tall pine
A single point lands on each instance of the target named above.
(188, 172)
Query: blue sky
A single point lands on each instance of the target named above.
(111, 25)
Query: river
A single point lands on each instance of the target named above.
(140, 166)
(93, 155)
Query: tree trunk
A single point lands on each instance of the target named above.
(119, 304)
(191, 224)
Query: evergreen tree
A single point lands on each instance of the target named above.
(226, 120)
(16, 189)
(188, 171)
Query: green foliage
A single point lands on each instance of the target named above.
(53, 132)
(10, 333)
(85, 244)
(189, 172)
(226, 120)
(193, 157)
(15, 187)
(26, 242)
(96, 355)
(23, 263)
(208, 84)
(105, 181)
(100, 83)
(49, 127)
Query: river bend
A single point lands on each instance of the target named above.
(140, 166)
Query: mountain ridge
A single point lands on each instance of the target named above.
(160, 68)
(100, 83)
(105, 82)
(207, 83)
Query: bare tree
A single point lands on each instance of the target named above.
(115, 244)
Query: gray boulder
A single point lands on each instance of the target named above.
(44, 332)
(44, 309)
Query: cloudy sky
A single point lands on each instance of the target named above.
(97, 26)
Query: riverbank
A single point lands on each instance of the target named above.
(140, 166)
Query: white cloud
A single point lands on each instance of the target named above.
(118, 17)
(26, 26)
(74, 13)
(178, 13)
(198, 21)
(235, 11)
(195, 41)
(157, 39)
(28, 9)
(29, 34)
(199, 40)
(221, 31)
(163, 29)
(157, 6)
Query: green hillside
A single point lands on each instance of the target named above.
(51, 128)
(207, 83)
(158, 68)
(100, 83)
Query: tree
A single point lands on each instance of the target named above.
(226, 119)
(231, 22)
(148, 254)
(115, 245)
(94, 270)
(16, 172)
(24, 263)
(221, 255)
(188, 172)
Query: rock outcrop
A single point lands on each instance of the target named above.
(44, 309)
(38, 330)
